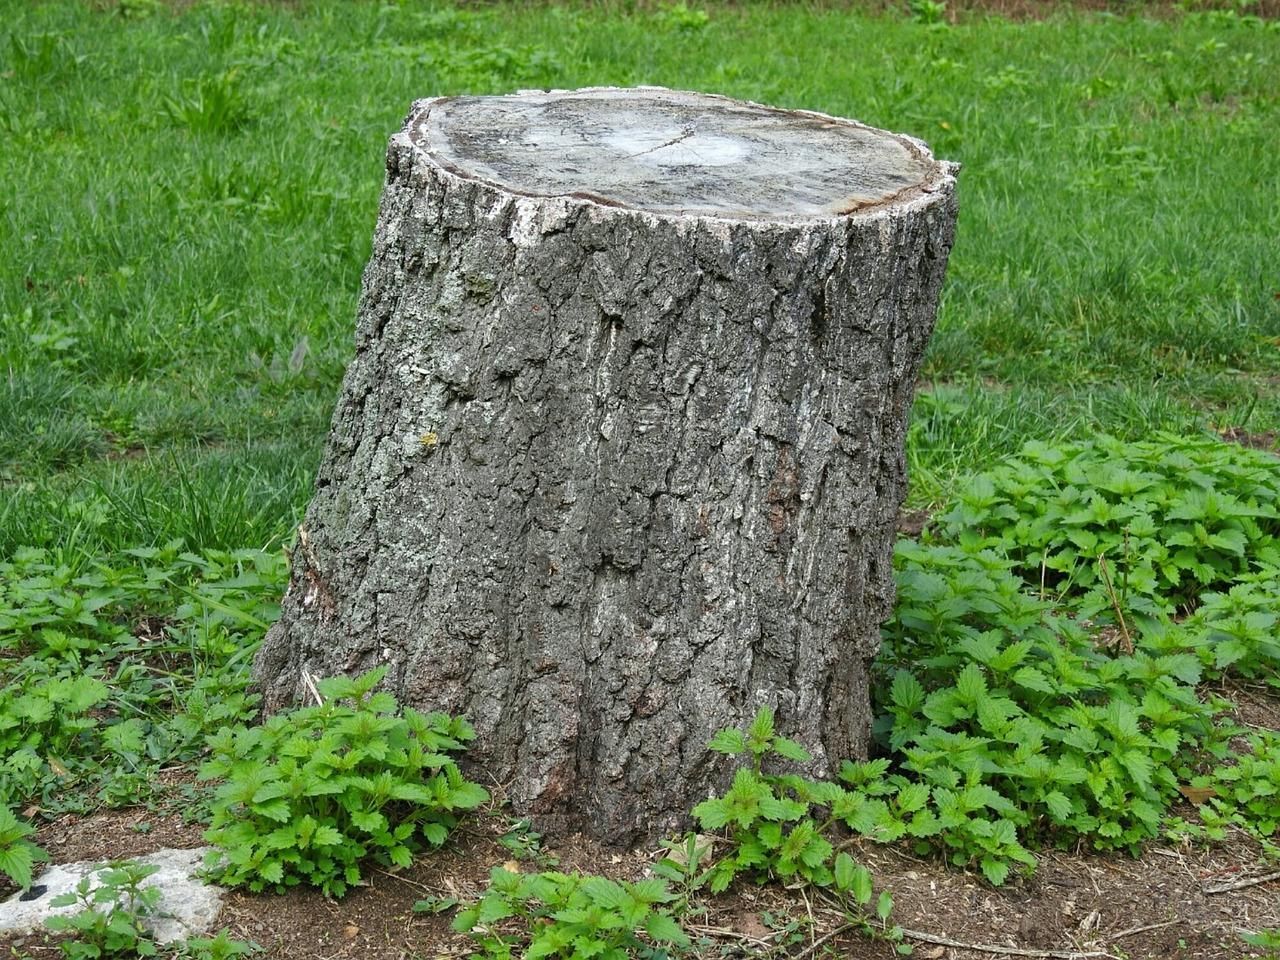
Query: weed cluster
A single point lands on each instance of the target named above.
(117, 666)
(1050, 635)
(116, 907)
(311, 793)
(1041, 685)
(570, 915)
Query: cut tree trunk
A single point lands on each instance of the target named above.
(619, 456)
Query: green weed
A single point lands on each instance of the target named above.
(116, 908)
(312, 793)
(111, 921)
(568, 915)
(115, 666)
(17, 854)
(780, 826)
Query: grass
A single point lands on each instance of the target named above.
(195, 192)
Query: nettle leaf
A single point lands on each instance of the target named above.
(664, 929)
(1059, 806)
(127, 738)
(607, 893)
(277, 810)
(995, 870)
(467, 796)
(971, 685)
(790, 750)
(906, 692)
(712, 814)
(775, 808)
(761, 731)
(16, 862)
(912, 797)
(492, 908)
(1033, 679)
(730, 741)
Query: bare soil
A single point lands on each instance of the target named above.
(1161, 906)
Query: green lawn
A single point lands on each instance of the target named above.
(186, 204)
(189, 199)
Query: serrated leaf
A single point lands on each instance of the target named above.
(790, 750)
(16, 863)
(606, 893)
(662, 928)
(468, 796)
(996, 871)
(435, 833)
(326, 837)
(369, 821)
(970, 684)
(728, 741)
(712, 814)
(906, 693)
(1059, 806)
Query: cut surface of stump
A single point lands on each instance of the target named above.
(673, 153)
(620, 454)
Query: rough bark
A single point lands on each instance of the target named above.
(605, 478)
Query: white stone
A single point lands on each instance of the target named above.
(187, 907)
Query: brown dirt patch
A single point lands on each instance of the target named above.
(911, 523)
(1266, 440)
(1254, 704)
(1153, 908)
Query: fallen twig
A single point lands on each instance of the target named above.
(726, 933)
(1005, 951)
(1241, 884)
(1142, 929)
(816, 945)
(412, 883)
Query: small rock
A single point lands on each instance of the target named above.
(187, 907)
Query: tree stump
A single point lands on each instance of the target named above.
(620, 453)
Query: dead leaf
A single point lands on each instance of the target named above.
(1197, 795)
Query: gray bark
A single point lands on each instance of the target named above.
(606, 477)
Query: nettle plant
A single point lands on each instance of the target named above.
(1145, 526)
(18, 855)
(116, 910)
(1040, 673)
(112, 919)
(993, 692)
(781, 826)
(311, 794)
(117, 664)
(553, 914)
(1244, 795)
